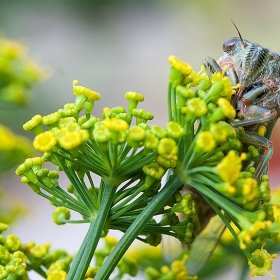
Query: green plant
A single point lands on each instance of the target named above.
(198, 151)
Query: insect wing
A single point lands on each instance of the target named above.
(172, 248)
(204, 245)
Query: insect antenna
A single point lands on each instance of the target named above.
(239, 34)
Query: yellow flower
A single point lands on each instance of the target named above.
(136, 136)
(60, 214)
(69, 112)
(115, 124)
(230, 166)
(30, 167)
(168, 163)
(44, 142)
(101, 134)
(218, 132)
(7, 139)
(228, 89)
(151, 141)
(154, 170)
(167, 148)
(142, 116)
(66, 121)
(225, 110)
(72, 127)
(110, 240)
(34, 125)
(174, 130)
(179, 65)
(51, 119)
(59, 133)
(133, 98)
(267, 263)
(131, 95)
(205, 142)
(158, 131)
(247, 235)
(71, 140)
(136, 133)
(57, 275)
(196, 78)
(40, 251)
(196, 108)
(88, 93)
(11, 49)
(3, 227)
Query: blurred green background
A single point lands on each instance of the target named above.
(117, 46)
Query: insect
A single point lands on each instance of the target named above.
(257, 102)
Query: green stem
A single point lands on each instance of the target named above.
(124, 191)
(37, 269)
(173, 97)
(82, 211)
(124, 206)
(84, 256)
(137, 226)
(169, 104)
(244, 271)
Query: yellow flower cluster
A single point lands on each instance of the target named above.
(177, 270)
(267, 263)
(205, 154)
(228, 90)
(13, 148)
(89, 94)
(18, 72)
(12, 143)
(179, 65)
(18, 258)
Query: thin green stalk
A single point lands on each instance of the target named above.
(84, 193)
(137, 226)
(37, 269)
(136, 163)
(169, 104)
(124, 206)
(124, 191)
(68, 197)
(123, 154)
(84, 256)
(244, 271)
(173, 96)
(93, 190)
(226, 222)
(80, 210)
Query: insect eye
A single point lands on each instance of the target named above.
(230, 43)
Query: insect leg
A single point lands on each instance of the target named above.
(255, 115)
(251, 95)
(263, 143)
(211, 66)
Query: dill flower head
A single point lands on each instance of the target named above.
(210, 168)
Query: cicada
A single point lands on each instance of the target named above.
(257, 103)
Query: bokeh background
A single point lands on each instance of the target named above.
(113, 47)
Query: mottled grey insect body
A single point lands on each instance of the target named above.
(256, 69)
(257, 101)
